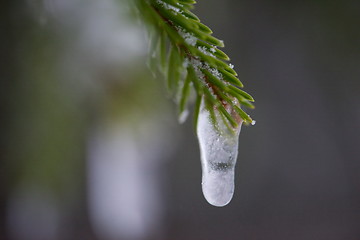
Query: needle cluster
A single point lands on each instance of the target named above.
(184, 50)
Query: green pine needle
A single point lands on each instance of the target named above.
(188, 55)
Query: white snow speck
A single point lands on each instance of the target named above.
(169, 6)
(188, 37)
(216, 73)
(205, 50)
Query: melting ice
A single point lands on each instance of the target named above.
(218, 149)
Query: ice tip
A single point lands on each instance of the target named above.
(218, 201)
(218, 187)
(218, 204)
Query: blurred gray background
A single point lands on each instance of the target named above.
(91, 147)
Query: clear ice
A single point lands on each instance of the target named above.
(218, 149)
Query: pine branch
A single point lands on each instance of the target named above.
(186, 52)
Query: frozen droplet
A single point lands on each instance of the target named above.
(253, 122)
(218, 149)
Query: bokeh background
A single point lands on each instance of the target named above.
(91, 148)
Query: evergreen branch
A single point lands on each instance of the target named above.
(188, 55)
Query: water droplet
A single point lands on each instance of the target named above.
(253, 122)
(219, 149)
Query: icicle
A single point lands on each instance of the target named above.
(218, 149)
